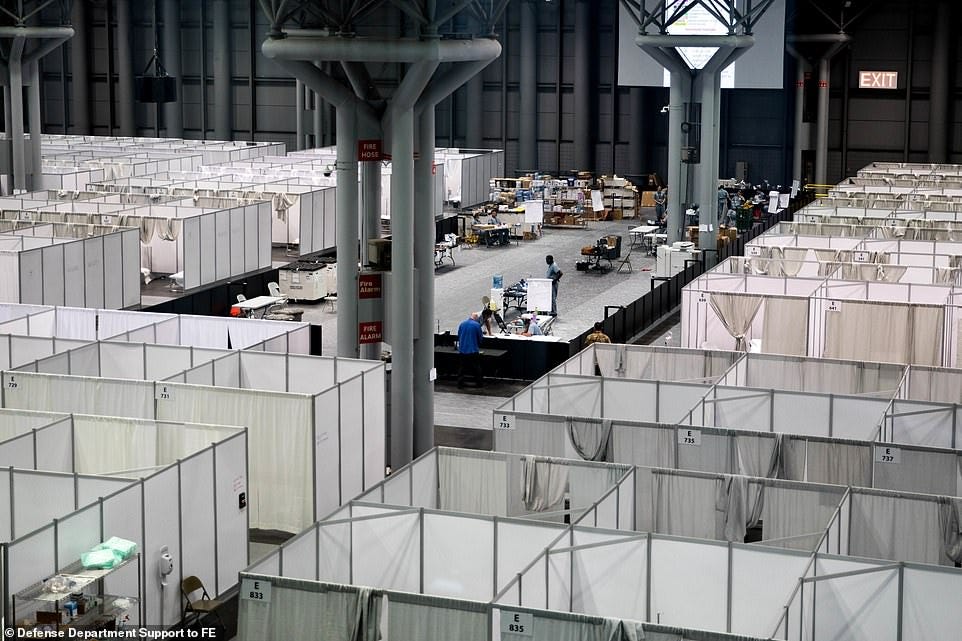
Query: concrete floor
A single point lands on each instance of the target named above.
(581, 297)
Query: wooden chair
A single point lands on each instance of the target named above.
(201, 605)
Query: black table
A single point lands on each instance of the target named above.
(446, 359)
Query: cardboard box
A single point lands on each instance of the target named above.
(647, 199)
(616, 214)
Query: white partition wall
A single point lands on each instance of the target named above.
(97, 271)
(182, 463)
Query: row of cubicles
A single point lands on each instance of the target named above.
(175, 431)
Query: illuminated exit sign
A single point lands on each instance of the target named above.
(878, 79)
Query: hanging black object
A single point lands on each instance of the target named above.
(157, 87)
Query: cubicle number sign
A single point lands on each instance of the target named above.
(256, 590)
(518, 623)
(834, 306)
(692, 438)
(754, 250)
(885, 454)
(860, 257)
(504, 422)
(164, 393)
(11, 384)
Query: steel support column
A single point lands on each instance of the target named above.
(347, 233)
(125, 71)
(424, 237)
(79, 71)
(223, 85)
(637, 145)
(401, 298)
(528, 89)
(370, 227)
(802, 131)
(474, 113)
(678, 93)
(706, 187)
(584, 91)
(821, 124)
(16, 115)
(298, 114)
(36, 124)
(939, 93)
(173, 111)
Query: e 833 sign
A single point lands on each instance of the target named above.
(256, 590)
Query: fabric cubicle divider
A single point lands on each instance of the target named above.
(49, 392)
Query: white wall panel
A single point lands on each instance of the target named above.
(55, 447)
(208, 241)
(94, 272)
(113, 272)
(327, 446)
(610, 580)
(74, 281)
(197, 508)
(162, 520)
(53, 272)
(130, 241)
(230, 482)
(222, 244)
(396, 563)
(31, 277)
(459, 555)
(762, 581)
(689, 582)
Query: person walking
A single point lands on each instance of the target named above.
(469, 349)
(553, 273)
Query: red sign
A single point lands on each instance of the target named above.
(369, 286)
(369, 150)
(370, 332)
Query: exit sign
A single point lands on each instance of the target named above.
(878, 80)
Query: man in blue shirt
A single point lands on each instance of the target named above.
(469, 349)
(554, 273)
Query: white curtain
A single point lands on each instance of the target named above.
(168, 228)
(472, 482)
(649, 446)
(888, 332)
(685, 505)
(896, 528)
(798, 516)
(427, 619)
(793, 260)
(103, 445)
(825, 461)
(543, 483)
(279, 438)
(587, 484)
(176, 440)
(281, 203)
(298, 615)
(198, 331)
(736, 312)
(785, 326)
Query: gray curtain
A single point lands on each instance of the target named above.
(367, 616)
(591, 440)
(543, 484)
(951, 528)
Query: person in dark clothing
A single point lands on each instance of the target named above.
(469, 349)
